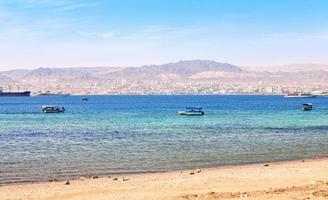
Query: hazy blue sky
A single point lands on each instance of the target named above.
(56, 33)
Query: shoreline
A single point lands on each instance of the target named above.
(283, 178)
(103, 175)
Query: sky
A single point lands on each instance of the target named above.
(77, 33)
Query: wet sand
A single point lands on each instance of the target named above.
(306, 179)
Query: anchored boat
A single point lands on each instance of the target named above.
(193, 111)
(307, 106)
(53, 109)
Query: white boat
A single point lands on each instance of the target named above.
(53, 109)
(192, 111)
(48, 93)
(300, 95)
(321, 93)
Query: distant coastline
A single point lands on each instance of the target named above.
(183, 77)
(174, 94)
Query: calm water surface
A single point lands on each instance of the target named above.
(123, 134)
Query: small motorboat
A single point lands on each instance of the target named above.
(192, 111)
(307, 106)
(53, 109)
(85, 99)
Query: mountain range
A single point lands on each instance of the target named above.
(191, 76)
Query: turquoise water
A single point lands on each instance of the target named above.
(127, 134)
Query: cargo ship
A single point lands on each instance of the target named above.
(15, 94)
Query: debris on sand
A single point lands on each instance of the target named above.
(245, 195)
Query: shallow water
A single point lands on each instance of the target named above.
(123, 134)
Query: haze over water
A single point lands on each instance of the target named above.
(123, 134)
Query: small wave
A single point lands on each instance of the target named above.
(294, 129)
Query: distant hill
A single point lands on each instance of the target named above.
(191, 67)
(179, 69)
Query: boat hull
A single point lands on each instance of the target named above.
(307, 96)
(54, 95)
(190, 113)
(61, 111)
(15, 94)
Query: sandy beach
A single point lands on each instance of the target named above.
(304, 179)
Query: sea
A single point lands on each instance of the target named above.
(111, 135)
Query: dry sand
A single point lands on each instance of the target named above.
(285, 180)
